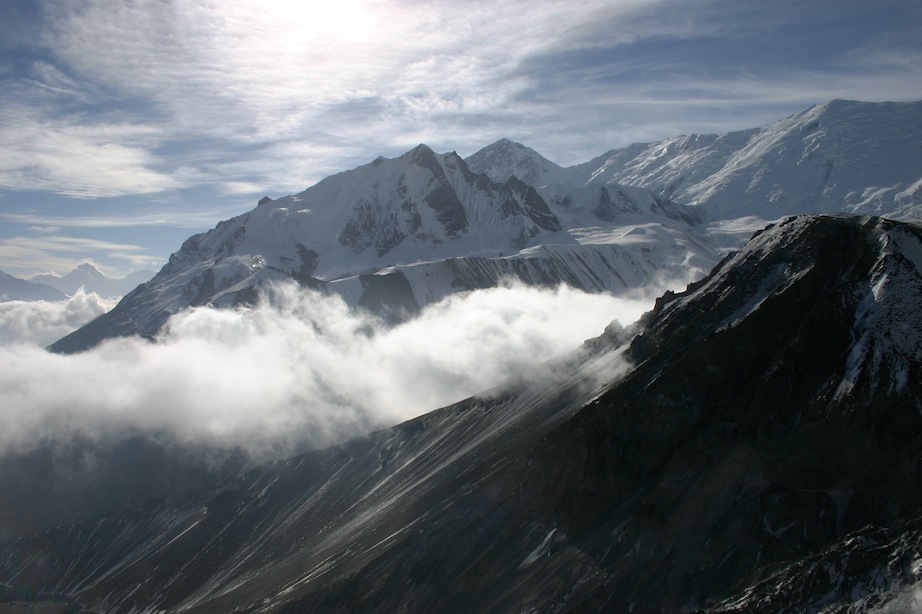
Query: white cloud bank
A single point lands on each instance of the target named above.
(44, 322)
(303, 373)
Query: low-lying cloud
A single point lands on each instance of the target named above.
(301, 370)
(44, 322)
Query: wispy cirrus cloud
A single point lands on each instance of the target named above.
(44, 229)
(70, 155)
(59, 253)
(43, 223)
(67, 244)
(302, 91)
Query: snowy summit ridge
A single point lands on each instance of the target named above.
(397, 234)
(841, 156)
(506, 158)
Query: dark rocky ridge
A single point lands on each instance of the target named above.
(730, 449)
(759, 442)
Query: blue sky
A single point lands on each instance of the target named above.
(127, 126)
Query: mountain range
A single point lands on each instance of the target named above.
(759, 452)
(49, 287)
(837, 157)
(16, 289)
(752, 444)
(398, 234)
(91, 279)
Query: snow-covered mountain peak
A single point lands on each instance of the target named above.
(91, 279)
(506, 158)
(89, 272)
(419, 206)
(89, 268)
(421, 199)
(841, 156)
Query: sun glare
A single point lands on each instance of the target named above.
(273, 47)
(343, 19)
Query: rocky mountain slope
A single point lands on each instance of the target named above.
(397, 234)
(754, 446)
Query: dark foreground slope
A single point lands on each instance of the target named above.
(763, 453)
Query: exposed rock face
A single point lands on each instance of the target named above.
(763, 452)
(758, 428)
(533, 206)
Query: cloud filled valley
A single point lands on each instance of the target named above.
(298, 371)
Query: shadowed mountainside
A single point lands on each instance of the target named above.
(762, 452)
